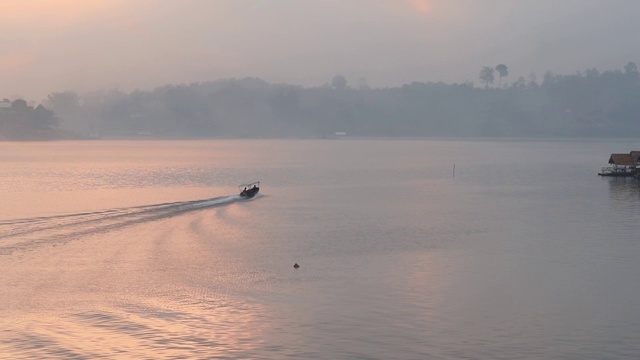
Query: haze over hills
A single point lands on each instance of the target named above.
(85, 45)
(583, 104)
(406, 68)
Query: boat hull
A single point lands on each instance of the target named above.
(618, 174)
(246, 194)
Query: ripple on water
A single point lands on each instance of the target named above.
(146, 329)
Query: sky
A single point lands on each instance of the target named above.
(85, 45)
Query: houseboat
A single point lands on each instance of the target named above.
(623, 165)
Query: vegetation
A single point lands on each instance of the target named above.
(502, 71)
(584, 104)
(486, 75)
(19, 121)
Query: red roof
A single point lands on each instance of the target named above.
(622, 160)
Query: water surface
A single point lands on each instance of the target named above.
(142, 249)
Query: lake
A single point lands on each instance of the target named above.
(143, 250)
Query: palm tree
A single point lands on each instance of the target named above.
(502, 71)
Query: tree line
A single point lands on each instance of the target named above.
(20, 121)
(584, 104)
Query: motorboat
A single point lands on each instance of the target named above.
(249, 190)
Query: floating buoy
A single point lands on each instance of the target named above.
(296, 265)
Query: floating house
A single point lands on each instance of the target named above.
(622, 165)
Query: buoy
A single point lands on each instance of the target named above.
(296, 265)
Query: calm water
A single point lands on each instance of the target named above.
(141, 250)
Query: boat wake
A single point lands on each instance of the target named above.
(21, 234)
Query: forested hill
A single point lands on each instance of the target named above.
(584, 104)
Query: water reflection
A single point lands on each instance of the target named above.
(146, 329)
(624, 196)
(624, 189)
(505, 264)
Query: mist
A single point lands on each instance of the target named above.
(157, 67)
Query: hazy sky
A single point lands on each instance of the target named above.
(82, 45)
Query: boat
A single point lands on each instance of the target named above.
(624, 165)
(249, 190)
(618, 172)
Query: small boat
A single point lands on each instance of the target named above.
(618, 172)
(249, 190)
